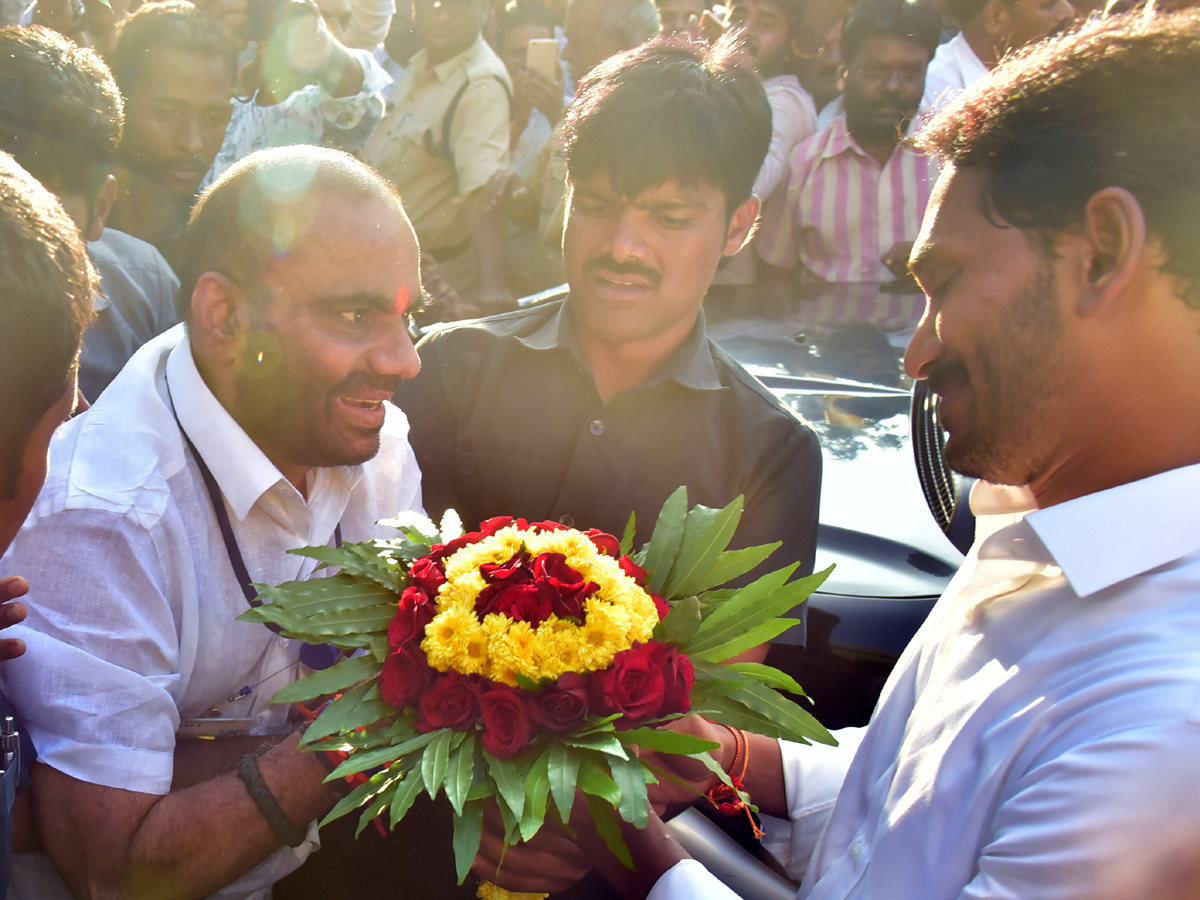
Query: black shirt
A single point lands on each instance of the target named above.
(506, 420)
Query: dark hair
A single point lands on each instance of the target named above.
(522, 12)
(46, 286)
(175, 25)
(672, 108)
(910, 20)
(237, 225)
(1115, 103)
(60, 111)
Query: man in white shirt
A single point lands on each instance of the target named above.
(990, 29)
(262, 427)
(1040, 737)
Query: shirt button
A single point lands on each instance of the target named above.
(284, 642)
(596, 426)
(856, 850)
(567, 519)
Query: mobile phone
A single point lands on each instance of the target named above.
(542, 56)
(215, 727)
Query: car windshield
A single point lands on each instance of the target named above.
(833, 353)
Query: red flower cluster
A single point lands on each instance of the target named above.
(646, 681)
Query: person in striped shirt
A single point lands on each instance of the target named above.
(854, 194)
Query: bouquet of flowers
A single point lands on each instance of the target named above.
(522, 662)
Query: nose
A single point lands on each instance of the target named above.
(394, 355)
(895, 81)
(925, 348)
(627, 242)
(187, 136)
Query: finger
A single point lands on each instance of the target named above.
(11, 648)
(13, 586)
(11, 613)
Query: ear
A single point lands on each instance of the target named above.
(101, 207)
(1114, 236)
(741, 226)
(217, 323)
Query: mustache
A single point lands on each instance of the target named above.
(947, 372)
(366, 381)
(631, 267)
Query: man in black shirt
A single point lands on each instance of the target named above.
(585, 409)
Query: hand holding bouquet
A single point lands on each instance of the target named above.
(523, 662)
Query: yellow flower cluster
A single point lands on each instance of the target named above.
(616, 616)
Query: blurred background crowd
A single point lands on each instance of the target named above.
(460, 103)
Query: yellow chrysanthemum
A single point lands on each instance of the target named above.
(616, 616)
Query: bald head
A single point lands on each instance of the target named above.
(263, 212)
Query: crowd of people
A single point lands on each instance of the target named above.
(224, 224)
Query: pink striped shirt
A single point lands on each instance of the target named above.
(839, 211)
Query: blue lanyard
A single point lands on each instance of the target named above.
(232, 550)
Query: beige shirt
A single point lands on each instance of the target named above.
(433, 188)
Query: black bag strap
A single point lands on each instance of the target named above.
(442, 150)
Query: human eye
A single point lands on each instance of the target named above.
(355, 316)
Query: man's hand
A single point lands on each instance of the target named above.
(547, 864)
(896, 260)
(686, 779)
(11, 613)
(532, 89)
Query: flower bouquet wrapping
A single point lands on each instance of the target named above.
(522, 662)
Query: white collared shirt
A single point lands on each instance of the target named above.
(953, 69)
(132, 599)
(1040, 736)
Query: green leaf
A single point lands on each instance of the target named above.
(510, 783)
(360, 762)
(604, 742)
(406, 792)
(729, 565)
(681, 622)
(746, 600)
(364, 560)
(379, 649)
(563, 773)
(594, 779)
(377, 806)
(705, 536)
(352, 709)
(328, 681)
(630, 777)
(666, 741)
(434, 761)
(537, 791)
(481, 789)
(460, 771)
(770, 676)
(740, 643)
(361, 794)
(785, 713)
(664, 542)
(607, 828)
(628, 535)
(468, 832)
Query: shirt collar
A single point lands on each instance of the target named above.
(241, 469)
(1107, 537)
(691, 365)
(444, 69)
(841, 140)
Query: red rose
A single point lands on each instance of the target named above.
(633, 685)
(633, 570)
(562, 585)
(661, 605)
(494, 524)
(549, 525)
(562, 705)
(520, 601)
(506, 728)
(605, 542)
(413, 613)
(427, 575)
(678, 678)
(515, 568)
(405, 674)
(452, 701)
